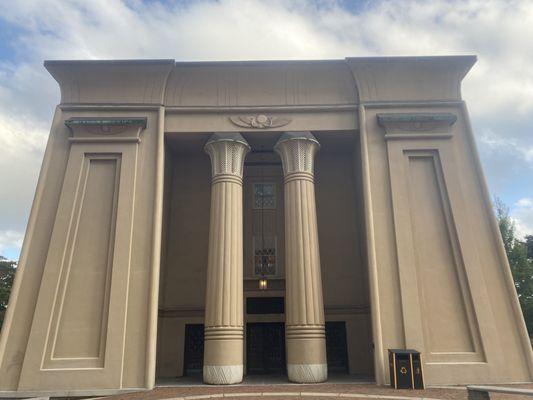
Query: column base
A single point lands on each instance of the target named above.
(307, 373)
(223, 374)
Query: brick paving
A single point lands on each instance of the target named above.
(291, 391)
(308, 392)
(277, 388)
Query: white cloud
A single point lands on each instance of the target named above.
(22, 142)
(10, 241)
(522, 214)
(499, 89)
(515, 148)
(498, 31)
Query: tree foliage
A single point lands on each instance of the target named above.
(7, 274)
(520, 255)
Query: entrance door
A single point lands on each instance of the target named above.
(265, 347)
(336, 349)
(194, 349)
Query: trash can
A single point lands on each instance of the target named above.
(406, 369)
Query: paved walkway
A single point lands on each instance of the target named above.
(293, 391)
(277, 388)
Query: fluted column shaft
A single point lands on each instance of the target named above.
(223, 337)
(304, 320)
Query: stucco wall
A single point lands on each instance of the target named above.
(443, 284)
(89, 246)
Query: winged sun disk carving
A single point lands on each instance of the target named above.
(260, 121)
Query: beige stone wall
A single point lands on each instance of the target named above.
(15, 331)
(344, 274)
(443, 284)
(88, 247)
(183, 279)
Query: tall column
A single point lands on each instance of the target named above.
(223, 337)
(304, 320)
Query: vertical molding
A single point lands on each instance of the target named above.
(151, 337)
(377, 332)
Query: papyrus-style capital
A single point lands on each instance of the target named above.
(227, 152)
(297, 152)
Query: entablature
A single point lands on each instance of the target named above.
(210, 86)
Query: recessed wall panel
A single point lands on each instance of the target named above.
(82, 322)
(77, 335)
(443, 310)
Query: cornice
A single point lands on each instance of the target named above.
(241, 86)
(106, 129)
(386, 79)
(111, 81)
(105, 122)
(416, 125)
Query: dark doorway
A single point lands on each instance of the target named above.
(193, 359)
(265, 348)
(265, 305)
(336, 348)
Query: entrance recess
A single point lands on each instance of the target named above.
(193, 359)
(265, 347)
(336, 348)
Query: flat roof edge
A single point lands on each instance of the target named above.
(465, 57)
(470, 58)
(132, 61)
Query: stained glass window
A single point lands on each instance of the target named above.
(264, 256)
(264, 196)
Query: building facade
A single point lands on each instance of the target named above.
(234, 218)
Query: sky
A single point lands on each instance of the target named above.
(498, 90)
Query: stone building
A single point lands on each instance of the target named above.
(233, 218)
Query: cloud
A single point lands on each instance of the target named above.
(494, 143)
(10, 243)
(22, 141)
(522, 214)
(499, 89)
(498, 31)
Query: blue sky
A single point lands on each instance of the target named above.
(498, 90)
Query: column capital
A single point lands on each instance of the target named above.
(227, 151)
(297, 152)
